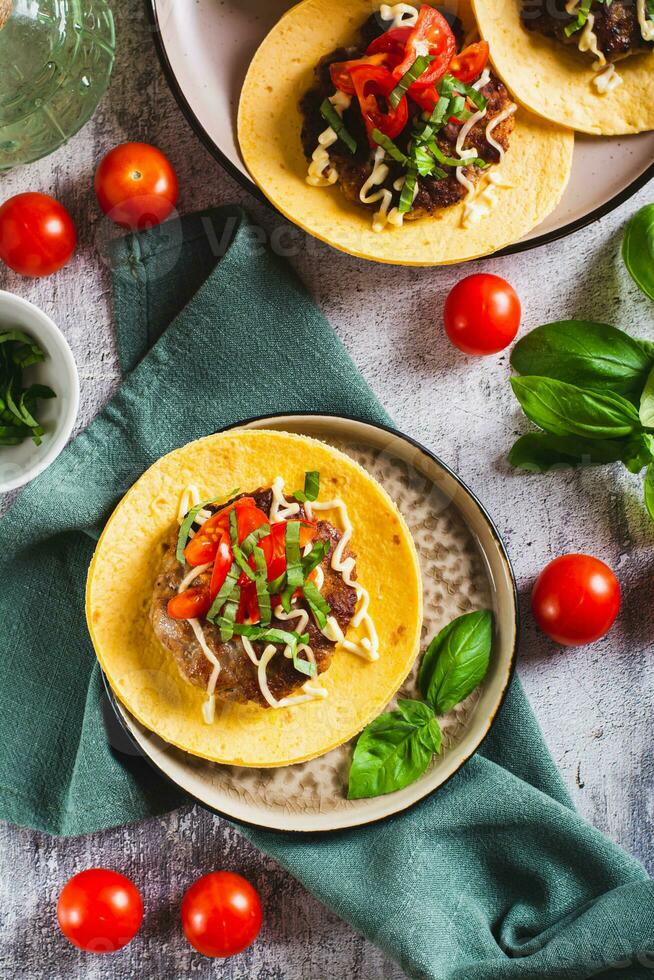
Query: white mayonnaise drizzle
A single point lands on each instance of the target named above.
(190, 497)
(378, 176)
(395, 216)
(281, 509)
(322, 172)
(310, 693)
(367, 647)
(609, 79)
(402, 14)
(646, 25)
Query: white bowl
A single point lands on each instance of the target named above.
(20, 464)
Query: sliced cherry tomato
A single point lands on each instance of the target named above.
(431, 35)
(373, 85)
(136, 185)
(426, 98)
(468, 64)
(221, 565)
(482, 314)
(192, 604)
(340, 70)
(391, 44)
(576, 599)
(37, 234)
(221, 914)
(100, 910)
(203, 547)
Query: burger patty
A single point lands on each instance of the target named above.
(616, 25)
(354, 169)
(237, 680)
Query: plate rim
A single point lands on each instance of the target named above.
(515, 249)
(308, 833)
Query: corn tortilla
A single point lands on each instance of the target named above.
(143, 674)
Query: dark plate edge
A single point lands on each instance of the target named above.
(248, 185)
(491, 721)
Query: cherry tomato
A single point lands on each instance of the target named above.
(470, 63)
(482, 314)
(373, 85)
(191, 604)
(221, 914)
(203, 547)
(340, 71)
(431, 35)
(100, 910)
(37, 234)
(576, 599)
(136, 186)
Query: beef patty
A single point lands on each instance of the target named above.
(354, 169)
(237, 680)
(616, 25)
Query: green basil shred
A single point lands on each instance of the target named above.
(253, 538)
(311, 478)
(407, 194)
(294, 570)
(421, 63)
(330, 115)
(263, 596)
(187, 523)
(317, 604)
(226, 590)
(17, 403)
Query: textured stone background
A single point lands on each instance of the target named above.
(593, 704)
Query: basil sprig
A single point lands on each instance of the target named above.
(18, 404)
(398, 746)
(638, 249)
(330, 115)
(590, 387)
(421, 63)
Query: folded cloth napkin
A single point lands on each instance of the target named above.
(494, 876)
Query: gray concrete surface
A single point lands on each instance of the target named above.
(594, 704)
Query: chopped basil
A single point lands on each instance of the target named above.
(408, 192)
(17, 404)
(286, 597)
(277, 584)
(263, 596)
(421, 63)
(319, 551)
(187, 523)
(580, 20)
(312, 477)
(225, 593)
(425, 163)
(294, 571)
(394, 152)
(330, 115)
(317, 604)
(451, 86)
(304, 666)
(227, 620)
(242, 562)
(271, 634)
(253, 538)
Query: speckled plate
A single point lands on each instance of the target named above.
(205, 48)
(464, 567)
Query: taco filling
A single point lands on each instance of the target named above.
(607, 30)
(253, 595)
(408, 121)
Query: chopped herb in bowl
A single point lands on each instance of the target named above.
(18, 401)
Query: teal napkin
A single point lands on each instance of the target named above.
(495, 875)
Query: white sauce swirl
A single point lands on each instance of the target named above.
(322, 172)
(402, 14)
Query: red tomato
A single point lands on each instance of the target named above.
(433, 33)
(340, 71)
(482, 314)
(100, 910)
(191, 604)
(37, 234)
(576, 599)
(136, 186)
(373, 85)
(203, 547)
(221, 914)
(470, 63)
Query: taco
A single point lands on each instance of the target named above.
(586, 64)
(389, 136)
(255, 598)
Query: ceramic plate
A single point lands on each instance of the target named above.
(464, 566)
(206, 47)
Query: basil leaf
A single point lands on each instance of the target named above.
(638, 249)
(394, 750)
(456, 660)
(304, 666)
(311, 487)
(408, 192)
(227, 588)
(539, 452)
(566, 410)
(227, 620)
(271, 634)
(421, 63)
(639, 452)
(247, 545)
(646, 411)
(317, 604)
(294, 571)
(394, 152)
(263, 596)
(584, 353)
(317, 554)
(275, 587)
(331, 116)
(649, 490)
